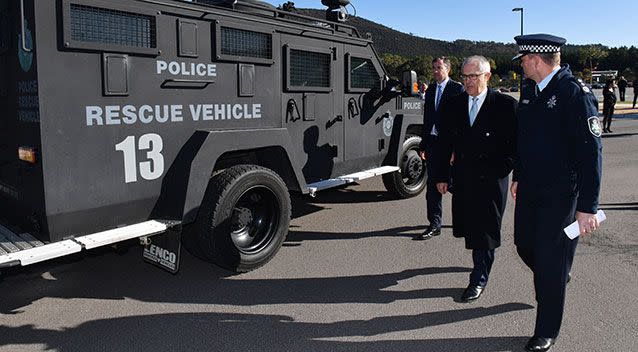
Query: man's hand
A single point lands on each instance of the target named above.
(442, 187)
(423, 155)
(587, 223)
(513, 189)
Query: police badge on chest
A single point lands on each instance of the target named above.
(551, 102)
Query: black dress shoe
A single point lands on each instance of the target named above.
(471, 293)
(427, 234)
(539, 344)
(569, 277)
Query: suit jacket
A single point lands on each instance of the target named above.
(432, 117)
(483, 158)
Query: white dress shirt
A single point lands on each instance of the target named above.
(440, 86)
(479, 102)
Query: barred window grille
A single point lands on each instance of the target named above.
(363, 74)
(240, 42)
(106, 26)
(309, 69)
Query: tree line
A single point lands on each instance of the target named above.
(582, 60)
(400, 51)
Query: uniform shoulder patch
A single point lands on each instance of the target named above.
(594, 126)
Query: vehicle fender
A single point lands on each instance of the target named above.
(186, 181)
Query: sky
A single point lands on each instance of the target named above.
(612, 23)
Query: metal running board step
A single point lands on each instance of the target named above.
(17, 252)
(11, 242)
(342, 180)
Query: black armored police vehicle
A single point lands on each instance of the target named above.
(187, 122)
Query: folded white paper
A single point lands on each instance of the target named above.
(572, 231)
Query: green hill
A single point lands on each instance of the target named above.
(390, 41)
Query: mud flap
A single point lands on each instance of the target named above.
(163, 250)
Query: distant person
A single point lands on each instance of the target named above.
(635, 84)
(557, 175)
(435, 96)
(622, 86)
(422, 89)
(609, 102)
(478, 128)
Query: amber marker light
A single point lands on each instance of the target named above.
(27, 154)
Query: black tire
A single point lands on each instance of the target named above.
(243, 219)
(411, 178)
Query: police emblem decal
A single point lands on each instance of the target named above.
(594, 126)
(388, 122)
(551, 102)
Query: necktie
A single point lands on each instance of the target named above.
(439, 92)
(473, 110)
(537, 91)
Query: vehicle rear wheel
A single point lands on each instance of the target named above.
(243, 219)
(410, 180)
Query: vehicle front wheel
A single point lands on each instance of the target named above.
(243, 219)
(410, 180)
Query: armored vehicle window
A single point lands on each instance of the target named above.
(363, 74)
(109, 29)
(309, 69)
(239, 42)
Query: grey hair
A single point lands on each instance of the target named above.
(483, 64)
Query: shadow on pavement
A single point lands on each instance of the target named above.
(404, 231)
(255, 332)
(618, 135)
(116, 277)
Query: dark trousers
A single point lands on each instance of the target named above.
(483, 260)
(635, 96)
(608, 114)
(622, 94)
(540, 216)
(433, 198)
(551, 266)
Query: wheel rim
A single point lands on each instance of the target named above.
(254, 219)
(412, 169)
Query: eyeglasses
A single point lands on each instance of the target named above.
(472, 77)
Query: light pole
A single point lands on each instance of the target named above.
(520, 9)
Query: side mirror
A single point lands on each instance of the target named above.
(410, 84)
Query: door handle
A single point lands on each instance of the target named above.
(330, 123)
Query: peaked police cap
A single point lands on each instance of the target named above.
(538, 44)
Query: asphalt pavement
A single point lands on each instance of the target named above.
(349, 278)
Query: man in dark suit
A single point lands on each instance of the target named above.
(479, 129)
(435, 96)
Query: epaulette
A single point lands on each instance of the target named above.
(583, 86)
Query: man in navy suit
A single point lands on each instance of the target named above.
(479, 127)
(435, 96)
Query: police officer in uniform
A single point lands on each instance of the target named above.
(556, 175)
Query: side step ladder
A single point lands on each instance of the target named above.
(345, 179)
(24, 249)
